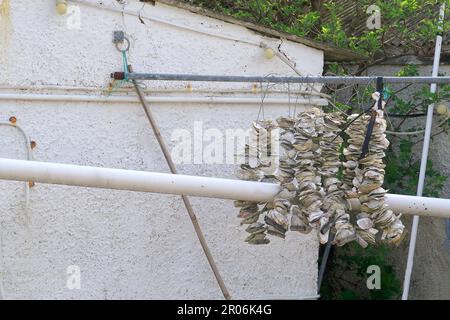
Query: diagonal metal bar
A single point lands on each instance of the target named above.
(185, 199)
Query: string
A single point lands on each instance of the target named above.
(296, 100)
(289, 98)
(263, 97)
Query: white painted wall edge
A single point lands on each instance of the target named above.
(119, 179)
(160, 99)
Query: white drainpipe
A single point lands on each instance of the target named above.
(93, 177)
(163, 99)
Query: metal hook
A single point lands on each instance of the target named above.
(127, 48)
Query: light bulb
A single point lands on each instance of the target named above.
(442, 109)
(61, 6)
(268, 53)
(255, 88)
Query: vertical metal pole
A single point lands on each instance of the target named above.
(324, 262)
(423, 164)
(186, 201)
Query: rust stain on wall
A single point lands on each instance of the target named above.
(5, 8)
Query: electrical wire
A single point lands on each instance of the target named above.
(158, 20)
(407, 133)
(27, 199)
(289, 63)
(29, 154)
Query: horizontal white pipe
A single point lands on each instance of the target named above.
(132, 99)
(93, 177)
(413, 205)
(432, 207)
(119, 179)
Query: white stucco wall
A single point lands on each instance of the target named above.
(131, 245)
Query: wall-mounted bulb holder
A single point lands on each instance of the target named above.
(268, 53)
(442, 109)
(61, 7)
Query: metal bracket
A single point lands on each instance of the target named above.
(119, 37)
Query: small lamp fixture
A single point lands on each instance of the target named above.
(268, 53)
(442, 109)
(61, 6)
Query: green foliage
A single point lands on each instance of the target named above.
(402, 172)
(402, 162)
(346, 279)
(302, 18)
(332, 30)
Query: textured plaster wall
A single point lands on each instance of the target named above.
(131, 245)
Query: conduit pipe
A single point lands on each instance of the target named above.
(180, 90)
(119, 179)
(29, 154)
(131, 99)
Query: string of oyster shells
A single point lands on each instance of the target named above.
(307, 213)
(277, 219)
(369, 177)
(356, 132)
(333, 203)
(258, 166)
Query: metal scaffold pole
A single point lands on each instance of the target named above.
(273, 79)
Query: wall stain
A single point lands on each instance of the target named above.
(5, 9)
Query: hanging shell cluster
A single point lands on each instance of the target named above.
(277, 218)
(307, 213)
(334, 200)
(368, 181)
(356, 132)
(312, 196)
(259, 166)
